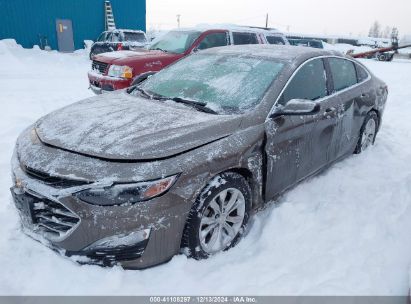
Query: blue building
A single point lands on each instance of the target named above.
(47, 22)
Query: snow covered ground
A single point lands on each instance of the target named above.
(345, 232)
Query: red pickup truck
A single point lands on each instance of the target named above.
(118, 70)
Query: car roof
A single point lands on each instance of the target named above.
(126, 30)
(272, 51)
(230, 27)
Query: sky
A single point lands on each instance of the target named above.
(342, 17)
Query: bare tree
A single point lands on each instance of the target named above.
(375, 30)
(387, 32)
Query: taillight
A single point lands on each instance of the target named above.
(119, 47)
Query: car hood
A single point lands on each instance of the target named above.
(118, 126)
(124, 57)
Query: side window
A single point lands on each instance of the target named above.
(213, 40)
(309, 82)
(343, 73)
(102, 37)
(244, 38)
(362, 74)
(275, 40)
(108, 37)
(115, 37)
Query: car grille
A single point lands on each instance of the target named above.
(51, 218)
(52, 180)
(111, 256)
(99, 66)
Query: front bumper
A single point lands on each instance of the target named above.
(72, 227)
(102, 84)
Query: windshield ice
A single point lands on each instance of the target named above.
(226, 83)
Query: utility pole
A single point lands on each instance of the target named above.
(266, 21)
(178, 20)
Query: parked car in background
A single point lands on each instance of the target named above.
(119, 70)
(182, 160)
(117, 40)
(274, 36)
(314, 43)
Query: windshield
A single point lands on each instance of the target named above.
(225, 83)
(175, 41)
(137, 37)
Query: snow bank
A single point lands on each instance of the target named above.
(345, 231)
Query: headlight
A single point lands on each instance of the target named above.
(126, 193)
(121, 71)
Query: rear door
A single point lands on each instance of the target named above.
(349, 94)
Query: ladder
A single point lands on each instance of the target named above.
(110, 25)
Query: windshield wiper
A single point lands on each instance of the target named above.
(158, 49)
(142, 91)
(202, 106)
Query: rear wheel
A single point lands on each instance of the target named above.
(368, 132)
(382, 57)
(219, 216)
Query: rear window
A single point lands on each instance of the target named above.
(244, 38)
(135, 37)
(343, 73)
(275, 40)
(362, 74)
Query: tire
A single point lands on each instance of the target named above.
(207, 230)
(382, 57)
(368, 132)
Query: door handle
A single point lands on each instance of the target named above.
(330, 111)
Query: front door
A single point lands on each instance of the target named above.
(292, 146)
(65, 40)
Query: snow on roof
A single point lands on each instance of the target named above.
(319, 36)
(229, 27)
(283, 52)
(127, 30)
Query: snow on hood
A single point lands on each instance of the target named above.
(123, 127)
(122, 54)
(123, 57)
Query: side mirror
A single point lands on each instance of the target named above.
(297, 107)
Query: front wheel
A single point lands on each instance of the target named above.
(368, 132)
(219, 216)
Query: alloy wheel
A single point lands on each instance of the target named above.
(222, 220)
